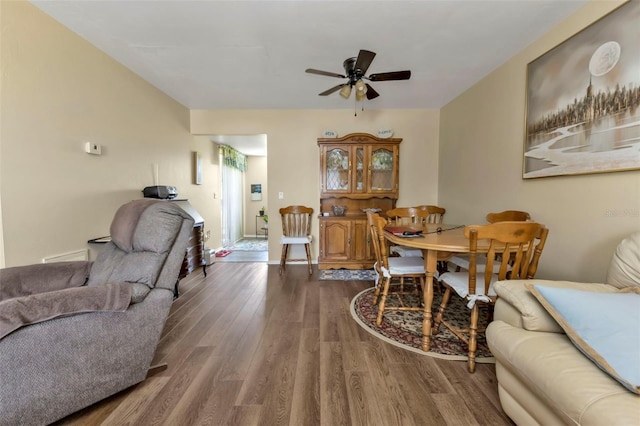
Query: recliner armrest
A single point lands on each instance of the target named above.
(21, 281)
(518, 307)
(23, 311)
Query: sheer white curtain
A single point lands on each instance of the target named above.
(232, 219)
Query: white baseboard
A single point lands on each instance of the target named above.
(72, 256)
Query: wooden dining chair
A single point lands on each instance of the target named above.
(430, 214)
(296, 229)
(508, 215)
(405, 216)
(462, 261)
(394, 271)
(402, 216)
(521, 241)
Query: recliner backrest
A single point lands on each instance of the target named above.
(145, 234)
(624, 269)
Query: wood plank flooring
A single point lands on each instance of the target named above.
(248, 346)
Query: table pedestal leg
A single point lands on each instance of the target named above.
(430, 265)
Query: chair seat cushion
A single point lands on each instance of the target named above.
(481, 263)
(459, 282)
(406, 265)
(296, 240)
(404, 251)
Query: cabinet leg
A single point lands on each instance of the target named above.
(204, 270)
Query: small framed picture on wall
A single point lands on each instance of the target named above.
(256, 192)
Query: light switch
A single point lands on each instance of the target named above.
(280, 195)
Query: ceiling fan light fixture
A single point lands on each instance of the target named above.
(355, 70)
(361, 88)
(345, 91)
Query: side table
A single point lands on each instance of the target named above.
(264, 228)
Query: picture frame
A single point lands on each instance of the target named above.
(197, 168)
(256, 192)
(583, 101)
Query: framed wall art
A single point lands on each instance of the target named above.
(256, 192)
(583, 101)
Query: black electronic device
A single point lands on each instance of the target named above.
(163, 192)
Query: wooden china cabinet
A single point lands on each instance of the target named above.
(359, 171)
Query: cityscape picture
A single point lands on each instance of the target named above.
(583, 101)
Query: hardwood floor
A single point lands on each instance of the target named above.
(247, 346)
(244, 256)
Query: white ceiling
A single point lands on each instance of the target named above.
(255, 145)
(212, 54)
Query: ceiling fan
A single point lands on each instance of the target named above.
(355, 70)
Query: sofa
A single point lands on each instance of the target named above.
(549, 374)
(73, 333)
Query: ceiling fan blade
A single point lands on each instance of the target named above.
(395, 75)
(365, 58)
(371, 94)
(327, 73)
(333, 89)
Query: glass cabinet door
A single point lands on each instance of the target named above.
(337, 169)
(382, 169)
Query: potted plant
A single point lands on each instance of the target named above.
(261, 212)
(266, 220)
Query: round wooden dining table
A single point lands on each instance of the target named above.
(437, 242)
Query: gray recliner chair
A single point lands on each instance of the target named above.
(74, 333)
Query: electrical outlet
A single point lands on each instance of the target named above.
(280, 195)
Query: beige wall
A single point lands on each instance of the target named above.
(58, 91)
(481, 149)
(293, 160)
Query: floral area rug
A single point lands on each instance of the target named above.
(250, 244)
(404, 329)
(348, 274)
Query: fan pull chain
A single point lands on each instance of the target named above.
(355, 108)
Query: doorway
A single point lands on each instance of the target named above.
(243, 240)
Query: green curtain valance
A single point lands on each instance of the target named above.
(233, 158)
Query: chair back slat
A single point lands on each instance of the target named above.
(381, 222)
(372, 219)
